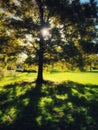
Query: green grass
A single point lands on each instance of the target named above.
(19, 77)
(79, 77)
(69, 102)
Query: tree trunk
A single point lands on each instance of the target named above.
(40, 63)
(41, 44)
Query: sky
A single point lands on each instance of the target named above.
(84, 1)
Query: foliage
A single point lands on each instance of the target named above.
(67, 21)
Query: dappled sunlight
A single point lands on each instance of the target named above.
(26, 101)
(67, 106)
(9, 115)
(63, 106)
(62, 97)
(13, 101)
(48, 65)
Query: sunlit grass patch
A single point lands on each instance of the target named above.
(20, 77)
(79, 77)
(9, 115)
(62, 97)
(45, 100)
(26, 101)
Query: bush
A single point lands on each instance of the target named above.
(34, 71)
(2, 74)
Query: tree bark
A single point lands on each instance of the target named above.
(40, 63)
(41, 44)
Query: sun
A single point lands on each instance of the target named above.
(45, 32)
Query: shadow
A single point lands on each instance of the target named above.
(65, 106)
(91, 71)
(18, 106)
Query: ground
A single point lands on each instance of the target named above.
(67, 101)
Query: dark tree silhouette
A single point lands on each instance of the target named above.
(65, 21)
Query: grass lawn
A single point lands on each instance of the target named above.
(69, 102)
(79, 77)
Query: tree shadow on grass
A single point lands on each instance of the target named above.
(19, 106)
(66, 106)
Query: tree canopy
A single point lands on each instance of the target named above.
(70, 25)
